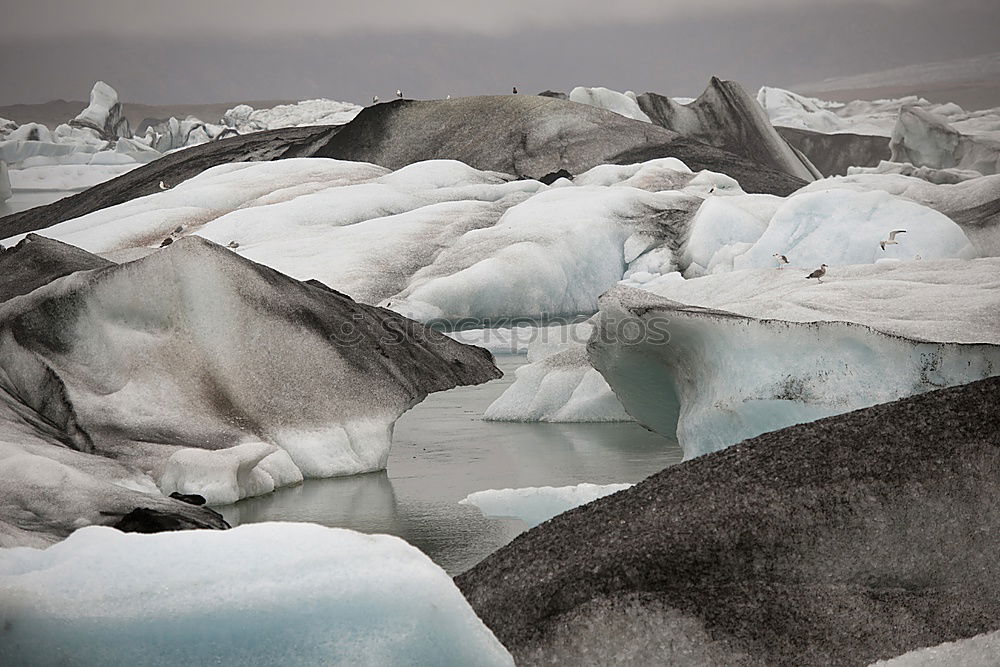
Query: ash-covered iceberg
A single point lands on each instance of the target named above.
(273, 593)
(199, 372)
(727, 357)
(840, 542)
(725, 116)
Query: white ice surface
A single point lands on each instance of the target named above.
(103, 98)
(261, 594)
(979, 651)
(245, 118)
(558, 384)
(623, 104)
(877, 117)
(537, 504)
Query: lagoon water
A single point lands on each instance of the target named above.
(443, 451)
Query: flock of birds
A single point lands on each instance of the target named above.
(821, 271)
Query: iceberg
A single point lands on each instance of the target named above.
(558, 384)
(274, 593)
(202, 373)
(104, 114)
(840, 542)
(537, 504)
(927, 140)
(726, 117)
(726, 357)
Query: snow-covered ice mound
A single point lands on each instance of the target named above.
(822, 224)
(207, 373)
(260, 594)
(439, 240)
(973, 204)
(537, 504)
(726, 357)
(434, 240)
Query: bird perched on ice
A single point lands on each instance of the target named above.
(892, 238)
(164, 186)
(782, 260)
(374, 99)
(514, 91)
(399, 93)
(818, 273)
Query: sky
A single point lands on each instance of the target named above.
(200, 51)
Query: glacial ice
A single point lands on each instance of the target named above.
(972, 204)
(927, 140)
(169, 366)
(558, 384)
(754, 351)
(274, 593)
(877, 117)
(104, 114)
(948, 176)
(537, 504)
(726, 117)
(623, 104)
(245, 118)
(979, 651)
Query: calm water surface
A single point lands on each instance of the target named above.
(442, 451)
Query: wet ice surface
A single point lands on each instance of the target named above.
(442, 452)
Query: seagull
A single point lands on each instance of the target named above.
(399, 93)
(818, 273)
(781, 259)
(515, 90)
(164, 186)
(374, 99)
(892, 238)
(233, 244)
(448, 98)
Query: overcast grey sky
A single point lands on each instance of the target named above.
(189, 51)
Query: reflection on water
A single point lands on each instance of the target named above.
(442, 452)
(25, 199)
